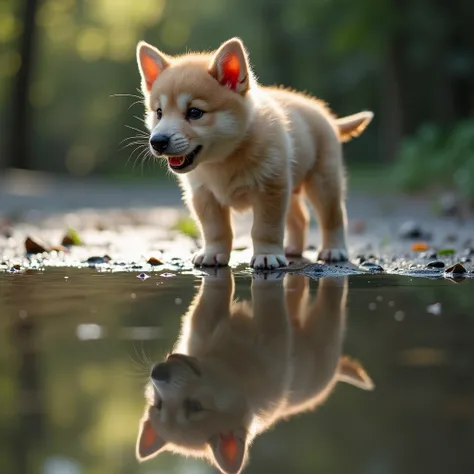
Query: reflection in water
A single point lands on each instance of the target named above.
(239, 367)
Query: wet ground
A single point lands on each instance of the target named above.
(78, 346)
(361, 368)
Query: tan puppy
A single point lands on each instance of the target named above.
(238, 368)
(236, 144)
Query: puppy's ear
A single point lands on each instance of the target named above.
(229, 450)
(230, 66)
(350, 371)
(151, 63)
(149, 442)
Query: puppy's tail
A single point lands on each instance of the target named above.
(353, 125)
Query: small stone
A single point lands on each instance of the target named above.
(410, 230)
(67, 241)
(97, 260)
(35, 246)
(436, 264)
(373, 267)
(360, 259)
(456, 269)
(465, 260)
(154, 261)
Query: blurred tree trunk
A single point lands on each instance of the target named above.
(281, 57)
(21, 113)
(394, 94)
(30, 403)
(391, 109)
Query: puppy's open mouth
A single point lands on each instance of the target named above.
(181, 162)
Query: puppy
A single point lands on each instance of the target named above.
(238, 368)
(235, 144)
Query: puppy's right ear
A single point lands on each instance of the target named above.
(151, 63)
(149, 442)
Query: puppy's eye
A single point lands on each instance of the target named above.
(159, 114)
(194, 114)
(193, 406)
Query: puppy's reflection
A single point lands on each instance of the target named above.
(239, 367)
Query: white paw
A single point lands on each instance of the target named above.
(268, 261)
(210, 259)
(333, 255)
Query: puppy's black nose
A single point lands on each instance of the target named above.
(161, 373)
(159, 143)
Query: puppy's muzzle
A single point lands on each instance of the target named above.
(160, 143)
(161, 373)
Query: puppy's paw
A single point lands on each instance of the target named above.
(333, 255)
(268, 276)
(209, 258)
(268, 262)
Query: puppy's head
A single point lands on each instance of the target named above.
(197, 104)
(194, 409)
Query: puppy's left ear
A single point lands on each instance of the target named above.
(229, 450)
(230, 66)
(151, 63)
(149, 442)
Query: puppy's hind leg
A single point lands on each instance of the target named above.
(325, 189)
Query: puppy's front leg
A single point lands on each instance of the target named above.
(269, 214)
(216, 229)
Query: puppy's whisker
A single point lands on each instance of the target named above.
(137, 130)
(126, 95)
(140, 119)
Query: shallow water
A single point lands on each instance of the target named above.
(78, 346)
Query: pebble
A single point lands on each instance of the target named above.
(98, 260)
(456, 269)
(410, 230)
(373, 267)
(436, 264)
(154, 261)
(35, 246)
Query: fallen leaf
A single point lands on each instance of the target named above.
(419, 246)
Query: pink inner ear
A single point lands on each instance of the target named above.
(150, 70)
(148, 439)
(230, 70)
(229, 447)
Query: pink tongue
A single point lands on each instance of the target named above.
(176, 160)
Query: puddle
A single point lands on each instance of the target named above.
(288, 366)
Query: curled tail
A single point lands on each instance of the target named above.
(353, 125)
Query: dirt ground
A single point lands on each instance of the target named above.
(131, 222)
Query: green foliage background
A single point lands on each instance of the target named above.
(409, 62)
